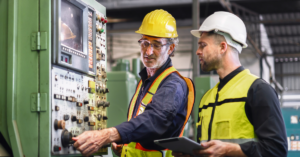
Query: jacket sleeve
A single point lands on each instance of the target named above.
(263, 111)
(158, 115)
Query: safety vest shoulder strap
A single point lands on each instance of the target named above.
(133, 100)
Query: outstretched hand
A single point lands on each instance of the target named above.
(90, 142)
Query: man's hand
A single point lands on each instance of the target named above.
(89, 142)
(212, 148)
(117, 148)
(215, 148)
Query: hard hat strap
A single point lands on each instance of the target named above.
(230, 41)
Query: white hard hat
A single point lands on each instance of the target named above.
(224, 22)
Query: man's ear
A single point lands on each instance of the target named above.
(223, 47)
(172, 47)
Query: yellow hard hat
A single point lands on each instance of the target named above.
(159, 23)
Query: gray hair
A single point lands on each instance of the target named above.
(171, 41)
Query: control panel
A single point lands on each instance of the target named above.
(78, 75)
(78, 104)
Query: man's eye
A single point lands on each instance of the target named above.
(156, 45)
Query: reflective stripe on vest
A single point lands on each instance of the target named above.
(147, 99)
(238, 141)
(222, 114)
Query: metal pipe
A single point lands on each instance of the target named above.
(196, 17)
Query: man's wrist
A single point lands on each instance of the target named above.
(114, 135)
(233, 149)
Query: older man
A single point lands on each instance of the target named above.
(163, 100)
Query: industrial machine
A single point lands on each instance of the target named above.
(122, 85)
(53, 75)
(291, 116)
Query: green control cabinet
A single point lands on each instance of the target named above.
(53, 83)
(291, 116)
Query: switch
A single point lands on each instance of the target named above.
(56, 78)
(79, 121)
(66, 138)
(69, 98)
(56, 108)
(57, 96)
(90, 108)
(91, 123)
(85, 102)
(99, 116)
(78, 86)
(66, 117)
(59, 124)
(86, 118)
(56, 148)
(105, 118)
(97, 88)
(82, 88)
(73, 118)
(78, 104)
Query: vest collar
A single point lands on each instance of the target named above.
(227, 78)
(144, 75)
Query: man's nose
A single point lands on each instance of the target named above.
(149, 50)
(199, 52)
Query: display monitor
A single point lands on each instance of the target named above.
(71, 26)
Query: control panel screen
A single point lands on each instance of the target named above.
(71, 26)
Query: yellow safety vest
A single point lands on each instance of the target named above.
(136, 149)
(222, 114)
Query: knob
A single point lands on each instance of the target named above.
(82, 88)
(66, 117)
(73, 118)
(106, 104)
(85, 102)
(105, 118)
(86, 119)
(59, 124)
(100, 103)
(106, 90)
(66, 138)
(56, 77)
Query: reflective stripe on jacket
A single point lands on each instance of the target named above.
(136, 149)
(222, 113)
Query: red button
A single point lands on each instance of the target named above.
(59, 148)
(66, 60)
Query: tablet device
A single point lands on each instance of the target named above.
(179, 144)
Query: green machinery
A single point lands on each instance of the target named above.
(122, 85)
(291, 116)
(202, 84)
(52, 75)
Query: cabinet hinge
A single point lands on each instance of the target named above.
(38, 41)
(38, 102)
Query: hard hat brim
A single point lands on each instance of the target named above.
(196, 33)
